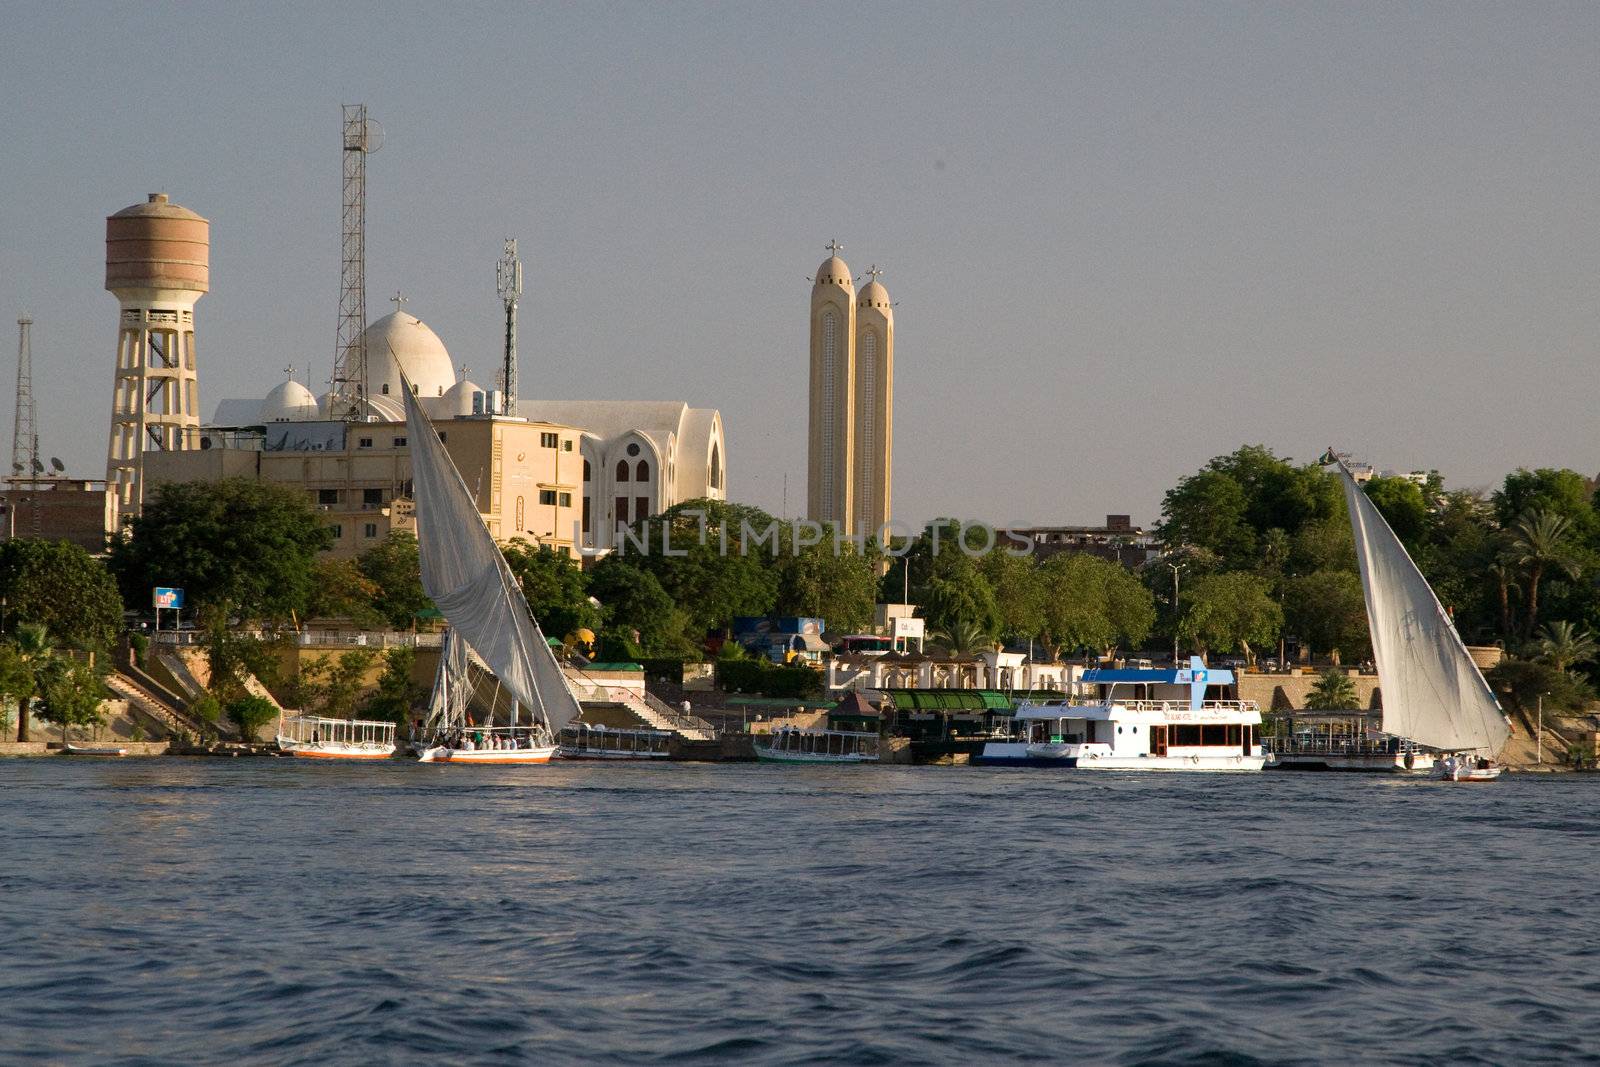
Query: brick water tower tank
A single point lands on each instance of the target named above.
(158, 264)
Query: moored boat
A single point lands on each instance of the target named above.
(317, 737)
(1152, 730)
(789, 745)
(93, 750)
(586, 741)
(1433, 693)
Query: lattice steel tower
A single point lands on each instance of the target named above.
(24, 435)
(508, 282)
(349, 381)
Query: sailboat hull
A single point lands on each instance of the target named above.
(496, 757)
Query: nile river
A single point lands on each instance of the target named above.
(263, 911)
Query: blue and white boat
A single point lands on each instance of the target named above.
(1137, 719)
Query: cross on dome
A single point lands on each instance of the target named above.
(397, 299)
(834, 247)
(874, 271)
(289, 370)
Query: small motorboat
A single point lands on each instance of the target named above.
(93, 750)
(1467, 769)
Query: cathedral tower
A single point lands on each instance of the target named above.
(829, 479)
(873, 435)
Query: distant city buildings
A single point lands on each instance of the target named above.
(1119, 540)
(850, 446)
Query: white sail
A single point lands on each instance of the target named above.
(467, 578)
(452, 689)
(1432, 691)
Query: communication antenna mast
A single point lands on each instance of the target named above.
(508, 282)
(24, 436)
(362, 137)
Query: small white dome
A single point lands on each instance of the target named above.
(457, 399)
(289, 402)
(834, 272)
(399, 342)
(873, 295)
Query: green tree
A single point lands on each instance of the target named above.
(396, 694)
(1520, 683)
(341, 591)
(1093, 603)
(334, 683)
(35, 651)
(394, 566)
(555, 587)
(957, 594)
(250, 713)
(1401, 502)
(70, 693)
(632, 600)
(1327, 611)
(1208, 510)
(233, 657)
(1228, 612)
(238, 542)
(1560, 492)
(1563, 645)
(965, 640)
(1334, 691)
(16, 682)
(709, 585)
(1541, 542)
(840, 588)
(1018, 591)
(60, 586)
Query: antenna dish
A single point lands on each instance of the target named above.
(368, 139)
(57, 465)
(38, 468)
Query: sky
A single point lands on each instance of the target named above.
(1122, 238)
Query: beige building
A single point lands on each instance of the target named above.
(851, 432)
(563, 472)
(59, 509)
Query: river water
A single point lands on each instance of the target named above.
(268, 911)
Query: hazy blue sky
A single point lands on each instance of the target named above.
(1123, 238)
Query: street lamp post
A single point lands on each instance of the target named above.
(1174, 567)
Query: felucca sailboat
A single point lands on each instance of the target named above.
(1433, 693)
(467, 578)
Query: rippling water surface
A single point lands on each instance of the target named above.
(275, 912)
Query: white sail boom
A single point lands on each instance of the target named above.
(1432, 691)
(465, 574)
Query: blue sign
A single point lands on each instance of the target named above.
(171, 599)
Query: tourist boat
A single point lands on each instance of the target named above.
(1155, 728)
(581, 740)
(466, 576)
(789, 745)
(316, 737)
(1433, 693)
(1342, 741)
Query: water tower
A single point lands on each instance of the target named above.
(158, 263)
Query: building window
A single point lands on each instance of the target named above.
(641, 507)
(867, 427)
(566, 446)
(337, 530)
(372, 498)
(327, 497)
(385, 388)
(365, 442)
(399, 442)
(633, 449)
(829, 370)
(642, 474)
(716, 466)
(586, 475)
(586, 510)
(549, 440)
(547, 496)
(622, 470)
(564, 499)
(369, 530)
(519, 513)
(622, 511)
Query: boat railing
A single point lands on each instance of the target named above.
(821, 742)
(596, 737)
(313, 638)
(1183, 705)
(321, 730)
(1291, 745)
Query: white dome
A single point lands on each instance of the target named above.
(834, 272)
(404, 342)
(457, 399)
(289, 402)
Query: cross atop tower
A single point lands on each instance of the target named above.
(289, 370)
(873, 271)
(397, 299)
(834, 247)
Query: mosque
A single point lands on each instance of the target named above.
(565, 473)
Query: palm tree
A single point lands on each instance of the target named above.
(1564, 645)
(36, 651)
(1504, 573)
(1539, 542)
(1334, 691)
(964, 639)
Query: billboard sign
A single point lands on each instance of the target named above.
(168, 599)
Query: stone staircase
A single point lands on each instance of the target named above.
(164, 712)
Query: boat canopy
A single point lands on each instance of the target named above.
(1196, 676)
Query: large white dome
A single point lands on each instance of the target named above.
(404, 342)
(288, 402)
(458, 399)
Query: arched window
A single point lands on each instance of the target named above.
(642, 472)
(829, 355)
(622, 470)
(867, 424)
(716, 466)
(586, 475)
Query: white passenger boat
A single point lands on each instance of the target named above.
(72, 749)
(317, 737)
(1433, 693)
(1151, 729)
(789, 745)
(581, 740)
(466, 576)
